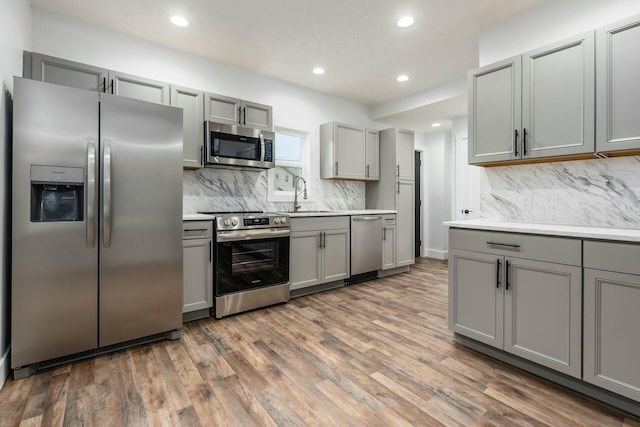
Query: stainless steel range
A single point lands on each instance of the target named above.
(251, 260)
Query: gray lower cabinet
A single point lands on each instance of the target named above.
(67, 73)
(192, 103)
(612, 316)
(319, 251)
(197, 269)
(389, 242)
(618, 86)
(510, 295)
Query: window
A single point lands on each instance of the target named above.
(291, 155)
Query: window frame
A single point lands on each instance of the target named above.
(305, 164)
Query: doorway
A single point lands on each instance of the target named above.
(418, 202)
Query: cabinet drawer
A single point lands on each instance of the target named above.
(542, 248)
(611, 256)
(197, 229)
(319, 223)
(389, 219)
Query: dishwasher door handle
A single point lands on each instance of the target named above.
(365, 218)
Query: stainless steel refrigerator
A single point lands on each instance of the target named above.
(96, 223)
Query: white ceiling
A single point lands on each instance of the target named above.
(356, 41)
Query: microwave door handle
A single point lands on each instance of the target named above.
(261, 148)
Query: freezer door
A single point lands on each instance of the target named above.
(141, 224)
(54, 289)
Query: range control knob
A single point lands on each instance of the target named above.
(277, 220)
(227, 222)
(234, 221)
(283, 220)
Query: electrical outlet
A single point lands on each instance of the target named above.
(525, 202)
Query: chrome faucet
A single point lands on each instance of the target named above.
(296, 181)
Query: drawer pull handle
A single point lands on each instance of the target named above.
(510, 245)
(498, 273)
(506, 281)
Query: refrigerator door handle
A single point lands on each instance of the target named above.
(106, 196)
(91, 193)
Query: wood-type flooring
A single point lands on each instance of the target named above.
(373, 354)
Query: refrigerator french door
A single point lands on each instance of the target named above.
(96, 221)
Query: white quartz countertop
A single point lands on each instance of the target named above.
(303, 214)
(578, 231)
(197, 217)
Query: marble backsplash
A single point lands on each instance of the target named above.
(600, 192)
(211, 189)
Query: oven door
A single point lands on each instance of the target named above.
(250, 259)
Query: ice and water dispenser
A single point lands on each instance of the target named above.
(57, 193)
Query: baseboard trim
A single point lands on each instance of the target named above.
(433, 253)
(4, 367)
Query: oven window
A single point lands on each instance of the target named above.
(235, 147)
(251, 264)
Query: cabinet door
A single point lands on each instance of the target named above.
(191, 102)
(257, 116)
(476, 296)
(495, 112)
(335, 255)
(349, 148)
(611, 339)
(618, 86)
(388, 247)
(68, 73)
(542, 313)
(558, 99)
(197, 275)
(405, 229)
(139, 88)
(404, 154)
(222, 109)
(372, 155)
(305, 259)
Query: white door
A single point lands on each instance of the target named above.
(466, 182)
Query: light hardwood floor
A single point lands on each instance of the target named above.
(376, 353)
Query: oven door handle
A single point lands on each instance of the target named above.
(230, 236)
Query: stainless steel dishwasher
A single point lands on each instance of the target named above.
(366, 243)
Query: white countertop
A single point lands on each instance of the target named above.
(302, 213)
(578, 231)
(197, 217)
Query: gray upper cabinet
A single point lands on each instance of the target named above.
(404, 144)
(192, 104)
(342, 151)
(618, 86)
(538, 105)
(558, 98)
(372, 155)
(494, 112)
(68, 73)
(233, 111)
(139, 88)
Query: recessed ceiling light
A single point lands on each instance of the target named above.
(318, 71)
(402, 78)
(405, 22)
(435, 125)
(180, 21)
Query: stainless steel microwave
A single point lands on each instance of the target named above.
(233, 145)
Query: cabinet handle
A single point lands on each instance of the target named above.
(113, 86)
(320, 236)
(324, 239)
(104, 85)
(515, 142)
(239, 115)
(201, 158)
(398, 187)
(506, 281)
(367, 171)
(524, 142)
(398, 173)
(336, 168)
(210, 252)
(498, 273)
(510, 245)
(384, 233)
(244, 116)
